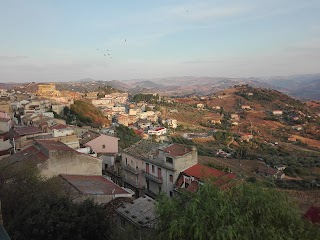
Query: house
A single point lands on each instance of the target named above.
(22, 136)
(192, 178)
(280, 167)
(200, 106)
(53, 158)
(235, 116)
(277, 113)
(140, 214)
(88, 136)
(144, 124)
(123, 119)
(222, 153)
(61, 130)
(246, 107)
(154, 167)
(157, 131)
(5, 124)
(173, 123)
(94, 187)
(246, 137)
(5, 149)
(313, 214)
(270, 172)
(216, 118)
(104, 144)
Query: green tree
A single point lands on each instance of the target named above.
(246, 211)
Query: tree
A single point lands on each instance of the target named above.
(38, 208)
(246, 211)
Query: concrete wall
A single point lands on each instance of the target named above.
(70, 162)
(99, 198)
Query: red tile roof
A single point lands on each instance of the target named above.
(313, 214)
(193, 186)
(30, 155)
(200, 171)
(177, 150)
(59, 126)
(22, 131)
(93, 185)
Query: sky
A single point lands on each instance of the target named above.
(59, 40)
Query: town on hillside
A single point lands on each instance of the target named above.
(127, 151)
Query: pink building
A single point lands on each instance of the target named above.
(104, 144)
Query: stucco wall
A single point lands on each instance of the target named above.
(110, 143)
(65, 162)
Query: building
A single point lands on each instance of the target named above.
(53, 158)
(140, 214)
(245, 107)
(5, 124)
(277, 113)
(104, 144)
(192, 178)
(152, 168)
(157, 131)
(48, 90)
(270, 172)
(97, 188)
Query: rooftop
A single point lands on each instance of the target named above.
(141, 211)
(93, 185)
(200, 171)
(22, 131)
(143, 149)
(53, 145)
(177, 150)
(59, 126)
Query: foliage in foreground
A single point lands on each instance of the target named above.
(243, 212)
(35, 208)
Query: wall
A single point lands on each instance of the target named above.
(70, 162)
(111, 144)
(99, 198)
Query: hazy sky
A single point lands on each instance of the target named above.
(57, 40)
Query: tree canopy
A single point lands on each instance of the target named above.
(246, 211)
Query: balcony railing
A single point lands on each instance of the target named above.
(131, 182)
(131, 169)
(152, 178)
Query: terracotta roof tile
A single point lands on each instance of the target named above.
(22, 131)
(59, 126)
(313, 214)
(193, 186)
(200, 171)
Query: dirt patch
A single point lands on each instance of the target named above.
(309, 141)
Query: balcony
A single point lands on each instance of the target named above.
(131, 182)
(131, 169)
(150, 193)
(152, 178)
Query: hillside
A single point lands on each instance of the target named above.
(86, 114)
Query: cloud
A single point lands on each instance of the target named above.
(12, 58)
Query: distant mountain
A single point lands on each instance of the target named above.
(302, 86)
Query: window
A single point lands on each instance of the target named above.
(152, 168)
(171, 178)
(103, 146)
(126, 161)
(123, 223)
(169, 160)
(171, 194)
(147, 167)
(160, 189)
(159, 172)
(105, 166)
